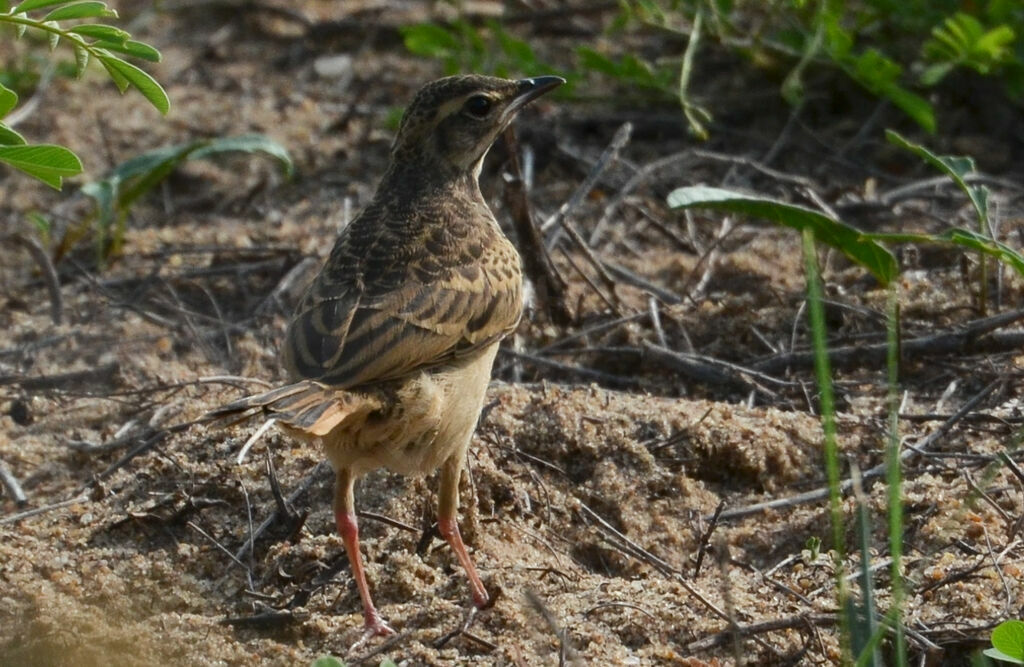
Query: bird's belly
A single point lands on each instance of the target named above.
(431, 417)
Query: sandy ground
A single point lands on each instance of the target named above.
(587, 498)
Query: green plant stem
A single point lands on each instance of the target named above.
(74, 38)
(823, 373)
(39, 25)
(893, 475)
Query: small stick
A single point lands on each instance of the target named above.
(12, 485)
(35, 511)
(713, 371)
(628, 545)
(631, 278)
(253, 439)
(395, 523)
(271, 618)
(565, 649)
(608, 157)
(49, 274)
(270, 520)
(705, 539)
(624, 605)
(220, 546)
(608, 301)
(652, 306)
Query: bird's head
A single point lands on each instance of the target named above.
(452, 122)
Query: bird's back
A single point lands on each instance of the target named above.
(411, 283)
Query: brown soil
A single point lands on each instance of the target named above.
(586, 505)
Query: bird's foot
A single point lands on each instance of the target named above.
(481, 600)
(374, 626)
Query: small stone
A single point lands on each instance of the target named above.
(336, 66)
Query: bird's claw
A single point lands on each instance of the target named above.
(375, 626)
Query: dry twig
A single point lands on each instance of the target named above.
(537, 264)
(12, 485)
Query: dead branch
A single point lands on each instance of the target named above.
(969, 338)
(713, 371)
(269, 619)
(721, 638)
(107, 374)
(628, 277)
(600, 376)
(541, 271)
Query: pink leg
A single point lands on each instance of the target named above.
(448, 506)
(345, 517)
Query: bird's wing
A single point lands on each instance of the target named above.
(389, 316)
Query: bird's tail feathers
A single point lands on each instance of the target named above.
(306, 406)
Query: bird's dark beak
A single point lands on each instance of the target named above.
(529, 90)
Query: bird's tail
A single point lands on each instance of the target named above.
(306, 406)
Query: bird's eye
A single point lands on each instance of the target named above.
(478, 106)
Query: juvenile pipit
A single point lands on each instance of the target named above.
(392, 345)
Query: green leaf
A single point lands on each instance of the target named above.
(954, 166)
(142, 81)
(131, 48)
(106, 33)
(8, 99)
(29, 5)
(996, 654)
(1008, 637)
(120, 80)
(327, 661)
(598, 62)
(103, 193)
(45, 162)
(248, 143)
(427, 39)
(996, 42)
(53, 36)
(518, 51)
(935, 73)
(964, 238)
(854, 244)
(80, 10)
(880, 75)
(81, 60)
(42, 224)
(915, 106)
(9, 137)
(133, 178)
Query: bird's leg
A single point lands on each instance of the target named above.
(345, 516)
(447, 524)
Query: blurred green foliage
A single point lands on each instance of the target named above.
(894, 49)
(71, 23)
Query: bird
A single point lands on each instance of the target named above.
(391, 347)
